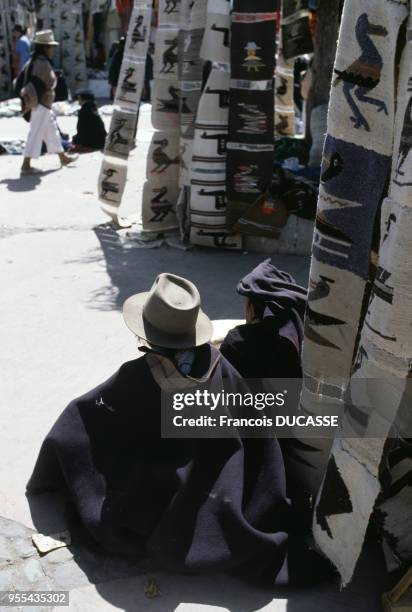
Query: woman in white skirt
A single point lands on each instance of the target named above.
(38, 97)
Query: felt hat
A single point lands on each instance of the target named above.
(169, 315)
(45, 37)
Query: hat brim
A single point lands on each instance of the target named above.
(133, 317)
(53, 43)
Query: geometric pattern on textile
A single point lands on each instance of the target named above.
(216, 40)
(208, 165)
(342, 334)
(250, 146)
(208, 172)
(385, 343)
(121, 136)
(348, 206)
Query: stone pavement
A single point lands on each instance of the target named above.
(65, 274)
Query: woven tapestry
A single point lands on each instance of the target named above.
(208, 169)
(177, 88)
(191, 65)
(8, 10)
(216, 40)
(122, 132)
(64, 17)
(343, 336)
(250, 146)
(208, 176)
(161, 189)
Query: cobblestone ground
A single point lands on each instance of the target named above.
(22, 568)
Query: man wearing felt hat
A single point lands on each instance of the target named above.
(189, 505)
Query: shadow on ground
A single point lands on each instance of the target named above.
(215, 273)
(228, 593)
(121, 582)
(27, 182)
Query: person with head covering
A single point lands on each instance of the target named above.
(269, 344)
(91, 133)
(21, 49)
(185, 504)
(37, 96)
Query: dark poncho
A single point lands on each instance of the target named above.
(271, 347)
(187, 505)
(91, 132)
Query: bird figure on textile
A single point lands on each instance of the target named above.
(159, 206)
(109, 186)
(364, 74)
(128, 85)
(116, 137)
(282, 88)
(171, 6)
(171, 105)
(170, 56)
(161, 159)
(139, 32)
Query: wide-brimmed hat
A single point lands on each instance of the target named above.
(45, 37)
(169, 315)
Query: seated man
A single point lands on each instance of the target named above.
(190, 505)
(91, 133)
(269, 344)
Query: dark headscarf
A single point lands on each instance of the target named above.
(278, 291)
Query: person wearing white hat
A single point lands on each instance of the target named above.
(38, 96)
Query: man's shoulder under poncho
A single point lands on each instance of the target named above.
(188, 505)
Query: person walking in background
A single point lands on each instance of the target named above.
(21, 48)
(91, 133)
(37, 97)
